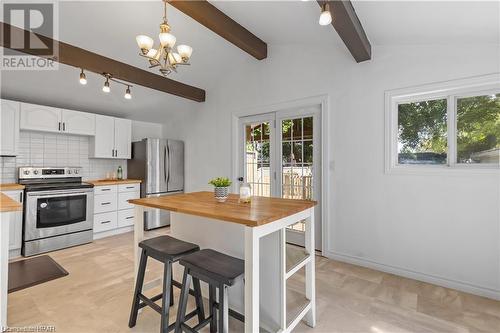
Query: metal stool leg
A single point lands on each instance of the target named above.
(138, 289)
(181, 311)
(165, 305)
(199, 300)
(213, 309)
(223, 310)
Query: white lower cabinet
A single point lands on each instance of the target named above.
(112, 213)
(16, 227)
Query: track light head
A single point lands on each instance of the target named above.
(128, 95)
(106, 87)
(83, 78)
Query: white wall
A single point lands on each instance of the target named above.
(442, 228)
(141, 130)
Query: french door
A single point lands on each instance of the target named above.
(280, 157)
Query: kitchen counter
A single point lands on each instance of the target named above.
(11, 187)
(254, 232)
(9, 205)
(105, 182)
(260, 211)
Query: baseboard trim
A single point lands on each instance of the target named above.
(437, 280)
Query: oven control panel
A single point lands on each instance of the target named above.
(36, 172)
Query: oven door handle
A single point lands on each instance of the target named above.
(55, 195)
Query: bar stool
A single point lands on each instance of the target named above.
(219, 271)
(167, 250)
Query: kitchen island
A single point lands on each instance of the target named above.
(7, 208)
(255, 232)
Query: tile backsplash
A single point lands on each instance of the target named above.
(58, 150)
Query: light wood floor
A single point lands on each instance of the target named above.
(96, 297)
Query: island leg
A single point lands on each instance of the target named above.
(138, 236)
(252, 304)
(310, 317)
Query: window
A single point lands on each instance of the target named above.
(448, 125)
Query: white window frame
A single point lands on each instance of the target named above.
(449, 90)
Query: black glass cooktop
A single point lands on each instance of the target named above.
(56, 186)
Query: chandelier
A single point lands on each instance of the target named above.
(165, 56)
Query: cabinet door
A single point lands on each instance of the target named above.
(16, 227)
(123, 138)
(40, 118)
(76, 122)
(9, 127)
(103, 142)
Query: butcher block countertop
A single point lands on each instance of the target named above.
(11, 187)
(9, 205)
(260, 211)
(103, 182)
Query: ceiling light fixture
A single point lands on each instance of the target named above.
(128, 95)
(325, 18)
(106, 87)
(164, 56)
(83, 78)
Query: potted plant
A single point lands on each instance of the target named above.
(221, 188)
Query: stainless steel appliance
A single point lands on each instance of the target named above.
(58, 209)
(159, 163)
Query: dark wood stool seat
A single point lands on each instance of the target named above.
(218, 270)
(167, 250)
(166, 247)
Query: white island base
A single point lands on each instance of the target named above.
(261, 298)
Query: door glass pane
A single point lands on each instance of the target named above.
(297, 160)
(258, 158)
(478, 129)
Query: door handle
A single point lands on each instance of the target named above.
(64, 126)
(59, 125)
(165, 164)
(168, 153)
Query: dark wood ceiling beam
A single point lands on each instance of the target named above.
(93, 62)
(215, 20)
(347, 24)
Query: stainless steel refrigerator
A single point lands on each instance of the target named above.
(159, 163)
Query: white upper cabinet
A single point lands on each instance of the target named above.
(123, 138)
(9, 127)
(76, 122)
(113, 138)
(103, 144)
(40, 118)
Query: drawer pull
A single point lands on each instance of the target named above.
(104, 222)
(129, 187)
(129, 217)
(105, 203)
(106, 189)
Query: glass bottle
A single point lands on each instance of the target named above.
(245, 193)
(119, 172)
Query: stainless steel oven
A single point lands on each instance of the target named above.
(58, 212)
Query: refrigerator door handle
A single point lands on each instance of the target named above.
(168, 174)
(165, 164)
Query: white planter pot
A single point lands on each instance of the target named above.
(221, 193)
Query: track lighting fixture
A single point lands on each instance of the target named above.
(83, 78)
(128, 95)
(106, 87)
(325, 18)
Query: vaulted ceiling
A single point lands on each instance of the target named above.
(109, 28)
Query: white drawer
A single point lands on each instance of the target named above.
(126, 217)
(129, 187)
(105, 221)
(104, 203)
(104, 189)
(123, 197)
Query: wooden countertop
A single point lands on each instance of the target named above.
(261, 210)
(9, 205)
(11, 187)
(102, 182)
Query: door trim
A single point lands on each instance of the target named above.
(326, 162)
